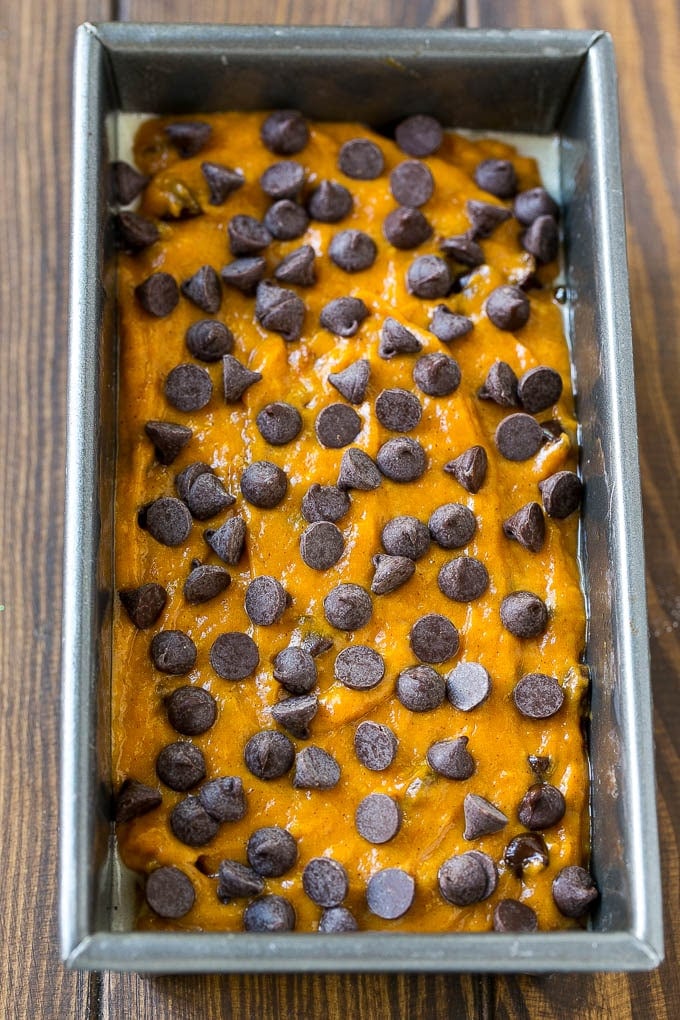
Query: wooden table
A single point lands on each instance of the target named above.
(36, 48)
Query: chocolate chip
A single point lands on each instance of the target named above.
(543, 805)
(173, 651)
(209, 340)
(188, 387)
(390, 573)
(375, 745)
(539, 764)
(353, 250)
(236, 378)
(463, 249)
(402, 459)
(428, 276)
(396, 339)
(573, 891)
(468, 685)
(298, 267)
(236, 880)
(295, 670)
(467, 878)
(352, 381)
(321, 545)
(221, 181)
(325, 881)
(357, 471)
(269, 754)
(433, 638)
(538, 696)
(283, 180)
(234, 656)
(343, 316)
(158, 294)
(324, 503)
(361, 159)
(269, 913)
(527, 526)
(191, 710)
(208, 497)
(125, 183)
(485, 217)
(245, 273)
(337, 920)
(295, 714)
(508, 307)
(420, 688)
(179, 201)
(337, 425)
(463, 579)
(359, 667)
(227, 541)
(398, 410)
(448, 326)
(188, 475)
(135, 799)
(271, 851)
(500, 385)
(411, 183)
(168, 521)
(469, 469)
(542, 239)
(180, 765)
(279, 423)
(191, 823)
(406, 536)
(316, 644)
(513, 916)
(526, 850)
(203, 288)
(389, 893)
(189, 136)
(247, 236)
(406, 228)
(481, 817)
(524, 614)
(497, 176)
(224, 798)
(134, 233)
(286, 220)
(285, 132)
(531, 204)
(144, 604)
(539, 388)
(264, 484)
(169, 892)
(279, 310)
(451, 758)
(452, 525)
(436, 374)
(330, 202)
(419, 135)
(315, 769)
(378, 818)
(348, 607)
(518, 437)
(265, 601)
(561, 494)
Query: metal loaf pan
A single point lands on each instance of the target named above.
(537, 82)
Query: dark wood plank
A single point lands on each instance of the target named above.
(409, 13)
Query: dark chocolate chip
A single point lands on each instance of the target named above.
(188, 387)
(279, 423)
(135, 799)
(452, 525)
(359, 667)
(144, 604)
(469, 469)
(209, 340)
(283, 180)
(526, 850)
(353, 250)
(463, 579)
(125, 183)
(361, 159)
(420, 688)
(358, 471)
(402, 459)
(324, 503)
(180, 765)
(325, 881)
(508, 307)
(352, 381)
(295, 670)
(375, 745)
(191, 710)
(285, 132)
(204, 290)
(433, 638)
(389, 893)
(227, 541)
(169, 892)
(348, 607)
(539, 388)
(468, 685)
(561, 494)
(448, 326)
(286, 220)
(527, 526)
(406, 228)
(158, 294)
(330, 202)
(245, 273)
(573, 891)
(552, 430)
(207, 497)
(406, 536)
(450, 758)
(295, 714)
(500, 385)
(221, 181)
(539, 764)
(321, 545)
(538, 696)
(269, 754)
(337, 425)
(173, 651)
(236, 378)
(543, 805)
(419, 135)
(378, 818)
(485, 217)
(236, 881)
(264, 484)
(467, 878)
(316, 644)
(224, 798)
(247, 236)
(398, 410)
(524, 614)
(343, 316)
(191, 823)
(390, 573)
(481, 817)
(542, 239)
(412, 183)
(428, 276)
(512, 916)
(168, 521)
(269, 913)
(531, 204)
(189, 136)
(271, 851)
(279, 310)
(298, 267)
(315, 769)
(436, 374)
(134, 233)
(188, 475)
(337, 920)
(497, 176)
(463, 249)
(518, 437)
(234, 656)
(397, 339)
(265, 600)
